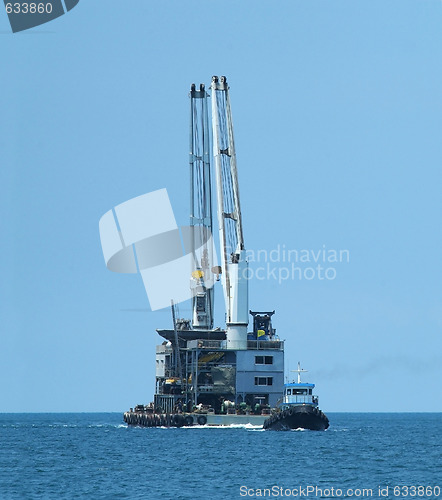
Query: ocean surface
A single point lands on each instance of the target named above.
(95, 455)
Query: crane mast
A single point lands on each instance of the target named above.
(233, 255)
(200, 211)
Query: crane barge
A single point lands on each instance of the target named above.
(207, 375)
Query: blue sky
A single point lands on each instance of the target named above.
(337, 112)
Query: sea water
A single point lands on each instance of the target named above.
(95, 455)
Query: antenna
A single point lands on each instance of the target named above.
(177, 363)
(299, 371)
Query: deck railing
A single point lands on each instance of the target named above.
(251, 344)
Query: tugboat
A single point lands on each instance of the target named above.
(299, 409)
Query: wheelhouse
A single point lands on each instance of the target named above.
(299, 394)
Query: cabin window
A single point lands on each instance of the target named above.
(263, 360)
(200, 303)
(289, 392)
(263, 380)
(310, 392)
(300, 391)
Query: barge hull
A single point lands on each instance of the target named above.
(145, 419)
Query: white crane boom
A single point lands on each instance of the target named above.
(201, 210)
(233, 254)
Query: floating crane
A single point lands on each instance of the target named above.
(199, 364)
(206, 375)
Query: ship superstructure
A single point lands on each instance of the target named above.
(299, 393)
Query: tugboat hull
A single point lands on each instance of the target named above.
(298, 417)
